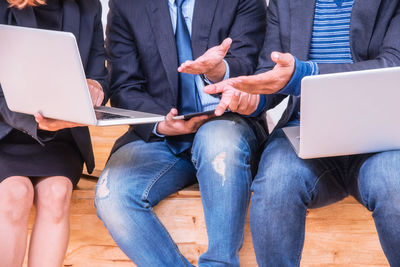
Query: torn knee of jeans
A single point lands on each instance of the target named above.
(102, 186)
(220, 166)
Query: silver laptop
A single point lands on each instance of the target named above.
(41, 71)
(348, 113)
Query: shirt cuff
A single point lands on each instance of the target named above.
(302, 69)
(155, 131)
(226, 76)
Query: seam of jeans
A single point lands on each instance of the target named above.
(299, 253)
(318, 179)
(157, 177)
(170, 238)
(363, 202)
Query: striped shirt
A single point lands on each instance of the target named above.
(330, 41)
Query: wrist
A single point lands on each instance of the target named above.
(217, 74)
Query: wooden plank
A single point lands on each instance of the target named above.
(342, 234)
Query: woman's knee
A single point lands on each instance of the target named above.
(16, 198)
(53, 197)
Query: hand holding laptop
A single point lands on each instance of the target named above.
(47, 124)
(96, 92)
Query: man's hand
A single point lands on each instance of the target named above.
(236, 101)
(53, 125)
(210, 63)
(268, 82)
(96, 92)
(170, 127)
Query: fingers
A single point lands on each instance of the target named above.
(249, 104)
(253, 105)
(99, 100)
(225, 45)
(52, 124)
(284, 60)
(38, 117)
(223, 104)
(170, 116)
(96, 92)
(170, 126)
(263, 83)
(194, 124)
(217, 88)
(234, 105)
(44, 123)
(243, 103)
(246, 84)
(191, 67)
(209, 61)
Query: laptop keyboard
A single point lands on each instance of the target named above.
(101, 115)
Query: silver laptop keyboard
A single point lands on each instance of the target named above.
(101, 115)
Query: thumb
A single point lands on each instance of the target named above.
(225, 45)
(282, 59)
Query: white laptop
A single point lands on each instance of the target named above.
(348, 113)
(41, 71)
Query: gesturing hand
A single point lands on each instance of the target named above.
(235, 100)
(52, 124)
(210, 63)
(170, 127)
(96, 92)
(265, 83)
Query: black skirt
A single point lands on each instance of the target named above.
(21, 155)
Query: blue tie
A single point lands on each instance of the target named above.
(189, 100)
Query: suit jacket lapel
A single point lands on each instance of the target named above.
(301, 24)
(160, 19)
(203, 17)
(24, 17)
(363, 18)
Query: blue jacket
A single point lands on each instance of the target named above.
(374, 39)
(83, 19)
(142, 58)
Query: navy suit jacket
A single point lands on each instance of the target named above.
(83, 19)
(374, 39)
(142, 57)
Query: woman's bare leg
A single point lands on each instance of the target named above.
(50, 235)
(16, 198)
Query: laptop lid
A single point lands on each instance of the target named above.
(45, 68)
(350, 113)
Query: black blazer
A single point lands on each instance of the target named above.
(142, 58)
(83, 19)
(374, 39)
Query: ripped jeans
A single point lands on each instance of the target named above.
(139, 175)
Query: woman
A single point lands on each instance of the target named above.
(41, 159)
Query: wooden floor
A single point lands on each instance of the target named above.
(339, 235)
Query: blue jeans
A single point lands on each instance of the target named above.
(139, 175)
(286, 186)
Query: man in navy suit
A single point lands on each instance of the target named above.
(208, 40)
(319, 37)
